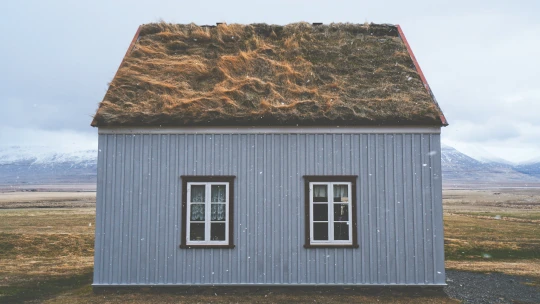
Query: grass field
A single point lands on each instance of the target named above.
(46, 254)
(493, 231)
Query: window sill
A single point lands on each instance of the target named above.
(332, 246)
(207, 246)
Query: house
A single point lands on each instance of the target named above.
(304, 154)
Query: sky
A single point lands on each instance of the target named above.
(481, 59)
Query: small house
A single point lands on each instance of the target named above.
(304, 154)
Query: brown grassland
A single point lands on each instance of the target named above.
(46, 254)
(493, 231)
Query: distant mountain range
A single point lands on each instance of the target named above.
(40, 165)
(460, 169)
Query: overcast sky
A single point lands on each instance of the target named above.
(481, 59)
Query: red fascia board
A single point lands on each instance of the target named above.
(419, 70)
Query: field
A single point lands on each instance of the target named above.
(46, 250)
(493, 230)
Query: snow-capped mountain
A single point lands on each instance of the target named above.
(529, 168)
(38, 165)
(39, 155)
(459, 168)
(480, 154)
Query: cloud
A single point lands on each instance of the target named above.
(480, 58)
(496, 129)
(63, 140)
(479, 67)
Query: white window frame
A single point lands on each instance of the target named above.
(207, 215)
(330, 221)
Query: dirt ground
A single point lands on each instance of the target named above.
(46, 249)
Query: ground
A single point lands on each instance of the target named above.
(46, 251)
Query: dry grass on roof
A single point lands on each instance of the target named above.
(267, 74)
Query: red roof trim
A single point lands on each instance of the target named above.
(419, 70)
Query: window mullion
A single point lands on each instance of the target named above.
(208, 213)
(331, 212)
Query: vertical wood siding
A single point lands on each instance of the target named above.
(399, 209)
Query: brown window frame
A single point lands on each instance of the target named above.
(207, 179)
(330, 179)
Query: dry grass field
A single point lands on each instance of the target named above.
(494, 230)
(46, 254)
(19, 200)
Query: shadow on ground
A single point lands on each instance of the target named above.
(39, 290)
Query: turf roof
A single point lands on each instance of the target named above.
(259, 74)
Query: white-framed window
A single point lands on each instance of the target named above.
(330, 207)
(207, 208)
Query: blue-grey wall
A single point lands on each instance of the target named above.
(399, 209)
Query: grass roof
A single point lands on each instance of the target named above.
(259, 74)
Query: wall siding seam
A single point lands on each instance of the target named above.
(148, 213)
(253, 198)
(396, 237)
(113, 203)
(175, 203)
(165, 203)
(248, 226)
(433, 229)
(386, 209)
(422, 181)
(139, 212)
(121, 228)
(414, 210)
(405, 208)
(130, 237)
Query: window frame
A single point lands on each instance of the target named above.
(330, 180)
(208, 181)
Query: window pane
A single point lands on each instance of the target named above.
(320, 212)
(197, 212)
(197, 193)
(341, 212)
(320, 193)
(341, 193)
(218, 212)
(320, 231)
(218, 194)
(341, 231)
(217, 232)
(196, 232)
